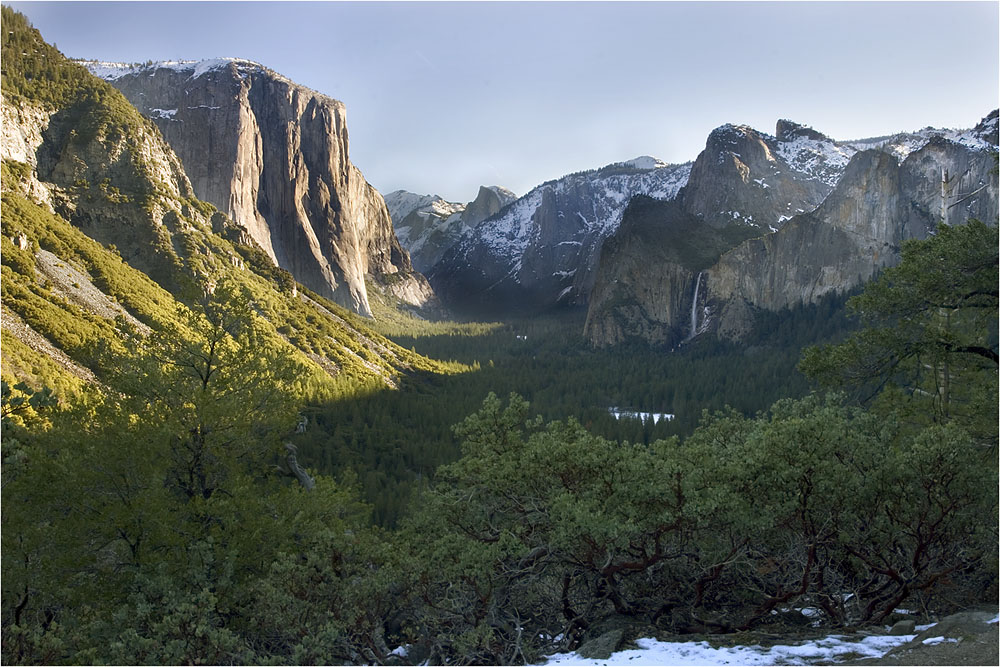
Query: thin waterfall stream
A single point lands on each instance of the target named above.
(694, 308)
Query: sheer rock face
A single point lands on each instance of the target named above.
(651, 279)
(21, 133)
(544, 249)
(645, 288)
(488, 202)
(859, 228)
(273, 155)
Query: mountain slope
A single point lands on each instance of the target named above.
(859, 228)
(541, 250)
(273, 156)
(649, 269)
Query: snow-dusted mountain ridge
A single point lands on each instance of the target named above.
(427, 225)
(112, 71)
(542, 250)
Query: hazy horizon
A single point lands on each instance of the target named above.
(444, 97)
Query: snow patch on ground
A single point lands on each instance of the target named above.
(163, 113)
(828, 649)
(930, 641)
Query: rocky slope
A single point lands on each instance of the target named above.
(97, 163)
(427, 225)
(273, 156)
(883, 196)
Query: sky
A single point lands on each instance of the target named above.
(444, 97)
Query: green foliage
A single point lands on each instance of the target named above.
(34, 69)
(930, 331)
(213, 380)
(345, 345)
(153, 525)
(15, 171)
(21, 409)
(142, 297)
(21, 363)
(540, 531)
(153, 519)
(21, 403)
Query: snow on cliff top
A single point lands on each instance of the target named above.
(598, 198)
(402, 203)
(821, 159)
(502, 191)
(111, 71)
(904, 143)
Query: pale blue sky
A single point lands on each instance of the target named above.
(442, 97)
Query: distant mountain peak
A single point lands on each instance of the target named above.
(500, 191)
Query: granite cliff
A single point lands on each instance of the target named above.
(273, 156)
(757, 180)
(102, 230)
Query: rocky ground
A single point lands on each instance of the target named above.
(967, 638)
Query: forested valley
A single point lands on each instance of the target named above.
(393, 441)
(156, 533)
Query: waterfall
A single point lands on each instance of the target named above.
(694, 308)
